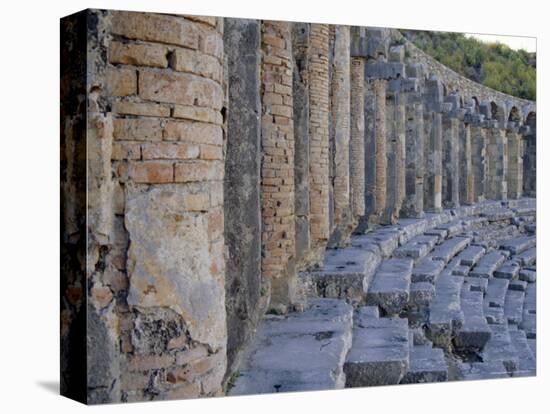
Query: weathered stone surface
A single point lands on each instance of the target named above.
(346, 273)
(162, 233)
(426, 364)
(241, 185)
(380, 350)
(475, 332)
(390, 285)
(302, 351)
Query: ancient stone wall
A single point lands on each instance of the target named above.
(208, 163)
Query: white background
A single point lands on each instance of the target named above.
(29, 203)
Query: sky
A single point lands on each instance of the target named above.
(514, 42)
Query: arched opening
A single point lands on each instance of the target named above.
(531, 120)
(514, 115)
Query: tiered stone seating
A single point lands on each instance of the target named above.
(456, 285)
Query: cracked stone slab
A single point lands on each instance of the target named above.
(300, 351)
(513, 306)
(526, 356)
(390, 286)
(519, 245)
(527, 275)
(474, 332)
(446, 315)
(426, 364)
(421, 294)
(453, 228)
(417, 247)
(471, 255)
(482, 370)
(527, 258)
(509, 270)
(427, 270)
(488, 264)
(387, 240)
(450, 248)
(380, 350)
(496, 293)
(476, 284)
(500, 348)
(345, 274)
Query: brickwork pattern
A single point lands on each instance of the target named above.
(163, 92)
(277, 186)
(319, 134)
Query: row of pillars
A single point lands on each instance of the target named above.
(352, 138)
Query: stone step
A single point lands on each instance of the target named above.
(513, 306)
(481, 370)
(519, 245)
(488, 264)
(386, 239)
(417, 247)
(421, 295)
(474, 223)
(426, 364)
(492, 236)
(499, 214)
(529, 316)
(452, 228)
(476, 283)
(427, 270)
(527, 275)
(500, 348)
(450, 248)
(496, 293)
(527, 258)
(298, 352)
(391, 284)
(345, 274)
(446, 315)
(471, 255)
(526, 357)
(518, 285)
(441, 233)
(474, 332)
(508, 270)
(380, 349)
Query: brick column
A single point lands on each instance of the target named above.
(466, 180)
(497, 152)
(515, 164)
(319, 135)
(357, 149)
(156, 212)
(278, 238)
(340, 130)
(479, 162)
(451, 173)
